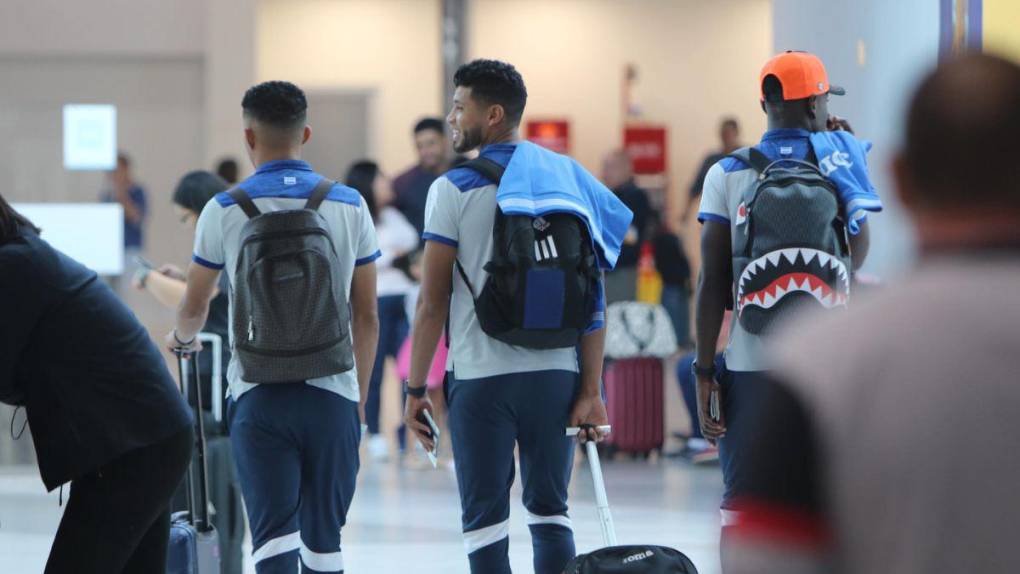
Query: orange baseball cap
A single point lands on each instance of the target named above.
(801, 75)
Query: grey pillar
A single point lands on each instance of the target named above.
(454, 30)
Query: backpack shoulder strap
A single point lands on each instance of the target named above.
(486, 167)
(244, 202)
(753, 157)
(319, 193)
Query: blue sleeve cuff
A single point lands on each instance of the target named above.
(703, 217)
(206, 263)
(369, 259)
(438, 239)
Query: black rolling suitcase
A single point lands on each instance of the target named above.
(613, 559)
(194, 544)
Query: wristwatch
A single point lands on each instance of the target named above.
(416, 392)
(700, 371)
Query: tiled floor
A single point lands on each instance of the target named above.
(407, 520)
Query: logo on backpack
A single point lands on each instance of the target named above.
(792, 249)
(638, 557)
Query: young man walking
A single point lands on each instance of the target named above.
(292, 275)
(747, 257)
(501, 394)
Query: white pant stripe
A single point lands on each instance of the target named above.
(331, 562)
(538, 252)
(478, 539)
(557, 519)
(552, 247)
(277, 546)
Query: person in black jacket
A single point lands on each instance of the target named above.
(104, 412)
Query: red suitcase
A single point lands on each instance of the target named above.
(635, 402)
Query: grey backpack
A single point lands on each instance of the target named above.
(291, 320)
(790, 243)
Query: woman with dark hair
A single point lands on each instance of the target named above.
(104, 411)
(397, 238)
(167, 284)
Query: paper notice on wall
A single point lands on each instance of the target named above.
(90, 136)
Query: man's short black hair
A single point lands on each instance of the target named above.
(426, 124)
(277, 104)
(772, 89)
(495, 82)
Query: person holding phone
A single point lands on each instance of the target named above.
(795, 93)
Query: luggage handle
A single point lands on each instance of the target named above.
(601, 500)
(216, 342)
(198, 518)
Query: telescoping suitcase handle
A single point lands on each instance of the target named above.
(215, 343)
(601, 500)
(198, 510)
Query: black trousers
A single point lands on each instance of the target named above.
(117, 519)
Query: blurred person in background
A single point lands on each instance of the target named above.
(412, 186)
(675, 269)
(105, 414)
(729, 138)
(887, 439)
(167, 285)
(397, 238)
(618, 175)
(795, 93)
(228, 170)
(696, 448)
(121, 188)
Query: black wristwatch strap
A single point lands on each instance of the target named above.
(700, 371)
(416, 392)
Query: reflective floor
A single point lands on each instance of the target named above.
(407, 520)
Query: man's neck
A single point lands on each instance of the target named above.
(509, 135)
(790, 124)
(265, 156)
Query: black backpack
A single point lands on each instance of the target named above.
(632, 560)
(543, 276)
(290, 314)
(790, 243)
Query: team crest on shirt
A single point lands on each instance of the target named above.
(741, 213)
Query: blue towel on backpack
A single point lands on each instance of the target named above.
(843, 159)
(538, 181)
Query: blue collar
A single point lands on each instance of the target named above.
(497, 148)
(281, 164)
(786, 134)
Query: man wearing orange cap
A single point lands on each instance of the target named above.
(795, 93)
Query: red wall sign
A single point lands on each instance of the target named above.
(646, 146)
(550, 134)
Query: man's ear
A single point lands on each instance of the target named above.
(249, 137)
(812, 107)
(496, 115)
(307, 135)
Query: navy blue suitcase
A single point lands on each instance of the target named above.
(194, 543)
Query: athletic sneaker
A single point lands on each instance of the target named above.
(378, 448)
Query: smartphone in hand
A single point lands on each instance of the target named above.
(433, 455)
(714, 408)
